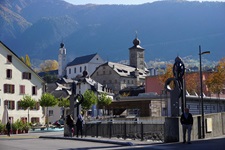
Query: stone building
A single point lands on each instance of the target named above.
(118, 76)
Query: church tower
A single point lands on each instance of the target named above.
(62, 60)
(137, 55)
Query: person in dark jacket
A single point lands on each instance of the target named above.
(70, 123)
(79, 125)
(8, 127)
(187, 121)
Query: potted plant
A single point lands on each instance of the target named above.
(19, 125)
(26, 127)
(14, 128)
(1, 128)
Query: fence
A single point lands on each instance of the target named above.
(125, 130)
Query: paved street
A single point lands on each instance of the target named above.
(56, 141)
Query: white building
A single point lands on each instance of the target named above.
(87, 63)
(17, 80)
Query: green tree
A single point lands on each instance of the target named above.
(103, 101)
(89, 99)
(27, 103)
(48, 100)
(50, 78)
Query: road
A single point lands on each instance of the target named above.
(33, 142)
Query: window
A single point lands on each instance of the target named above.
(9, 73)
(75, 70)
(85, 68)
(10, 104)
(22, 89)
(23, 119)
(35, 120)
(9, 88)
(50, 113)
(18, 106)
(80, 69)
(9, 58)
(34, 90)
(69, 71)
(26, 75)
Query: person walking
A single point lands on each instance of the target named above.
(70, 124)
(79, 125)
(8, 127)
(187, 122)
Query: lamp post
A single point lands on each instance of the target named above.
(201, 92)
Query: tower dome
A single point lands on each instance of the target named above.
(136, 41)
(61, 45)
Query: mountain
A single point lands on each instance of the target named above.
(165, 28)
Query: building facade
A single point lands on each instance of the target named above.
(18, 80)
(84, 63)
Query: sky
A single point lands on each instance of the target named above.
(128, 2)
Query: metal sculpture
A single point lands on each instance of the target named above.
(178, 91)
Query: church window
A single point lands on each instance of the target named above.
(80, 69)
(69, 71)
(75, 70)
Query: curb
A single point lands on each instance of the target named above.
(91, 140)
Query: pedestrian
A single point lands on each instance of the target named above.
(79, 124)
(187, 122)
(8, 127)
(70, 124)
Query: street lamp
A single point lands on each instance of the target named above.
(201, 93)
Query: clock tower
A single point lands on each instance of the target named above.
(62, 60)
(137, 55)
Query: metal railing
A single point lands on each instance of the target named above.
(125, 130)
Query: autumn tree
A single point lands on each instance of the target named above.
(27, 103)
(26, 60)
(49, 65)
(192, 82)
(168, 74)
(216, 80)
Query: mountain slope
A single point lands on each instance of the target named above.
(166, 29)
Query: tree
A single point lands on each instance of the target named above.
(104, 100)
(168, 74)
(26, 60)
(216, 80)
(50, 78)
(26, 103)
(89, 99)
(49, 65)
(48, 100)
(192, 82)
(63, 103)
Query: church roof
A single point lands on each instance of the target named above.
(82, 60)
